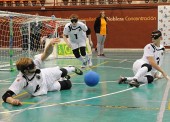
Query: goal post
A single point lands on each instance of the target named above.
(11, 43)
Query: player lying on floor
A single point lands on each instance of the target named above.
(147, 68)
(38, 81)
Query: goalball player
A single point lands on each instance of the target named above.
(147, 68)
(76, 32)
(38, 81)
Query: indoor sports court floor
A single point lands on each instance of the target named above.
(106, 102)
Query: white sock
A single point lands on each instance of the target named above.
(69, 69)
(81, 59)
(87, 57)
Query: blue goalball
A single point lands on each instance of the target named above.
(91, 78)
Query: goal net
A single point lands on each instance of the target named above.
(20, 36)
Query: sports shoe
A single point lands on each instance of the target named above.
(135, 83)
(84, 65)
(77, 71)
(122, 80)
(89, 62)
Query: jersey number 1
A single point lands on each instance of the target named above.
(158, 59)
(76, 36)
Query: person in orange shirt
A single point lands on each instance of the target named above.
(100, 28)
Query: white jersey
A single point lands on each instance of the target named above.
(150, 50)
(154, 51)
(76, 33)
(46, 80)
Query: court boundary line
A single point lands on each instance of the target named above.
(163, 104)
(119, 61)
(99, 82)
(74, 101)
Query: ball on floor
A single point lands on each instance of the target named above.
(91, 78)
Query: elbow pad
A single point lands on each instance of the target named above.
(7, 94)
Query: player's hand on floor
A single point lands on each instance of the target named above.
(16, 102)
(168, 78)
(159, 75)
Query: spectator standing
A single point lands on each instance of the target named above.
(100, 28)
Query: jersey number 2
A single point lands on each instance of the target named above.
(158, 59)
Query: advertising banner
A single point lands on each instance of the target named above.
(164, 23)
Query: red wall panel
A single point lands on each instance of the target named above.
(129, 26)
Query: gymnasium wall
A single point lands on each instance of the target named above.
(129, 25)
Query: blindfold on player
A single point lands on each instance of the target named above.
(25, 65)
(156, 34)
(30, 67)
(74, 20)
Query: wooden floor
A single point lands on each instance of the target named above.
(106, 102)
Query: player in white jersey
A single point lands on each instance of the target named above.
(38, 81)
(146, 69)
(76, 32)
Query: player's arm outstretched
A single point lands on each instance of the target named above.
(157, 67)
(7, 97)
(14, 89)
(19, 84)
(49, 49)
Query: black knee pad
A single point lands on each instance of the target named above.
(148, 66)
(76, 53)
(83, 51)
(64, 72)
(65, 84)
(150, 78)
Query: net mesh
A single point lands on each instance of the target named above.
(20, 35)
